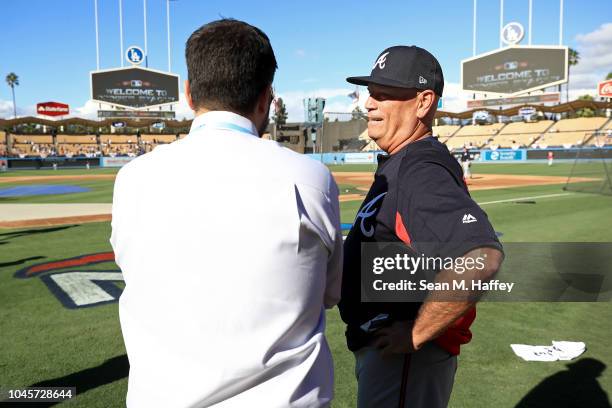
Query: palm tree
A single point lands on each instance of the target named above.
(572, 60)
(12, 79)
(280, 111)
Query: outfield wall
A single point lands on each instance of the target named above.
(16, 163)
(115, 161)
(29, 163)
(483, 156)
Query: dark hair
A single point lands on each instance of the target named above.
(229, 65)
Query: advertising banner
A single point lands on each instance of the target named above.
(360, 158)
(503, 155)
(115, 161)
(604, 89)
(52, 109)
(517, 100)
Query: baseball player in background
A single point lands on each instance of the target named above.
(418, 198)
(551, 157)
(466, 162)
(228, 265)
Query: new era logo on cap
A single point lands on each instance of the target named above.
(405, 67)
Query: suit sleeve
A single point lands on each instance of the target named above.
(439, 215)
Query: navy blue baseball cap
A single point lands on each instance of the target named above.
(405, 67)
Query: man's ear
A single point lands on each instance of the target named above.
(427, 104)
(263, 102)
(188, 95)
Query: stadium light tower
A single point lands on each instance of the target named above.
(560, 22)
(501, 21)
(146, 48)
(530, 18)
(121, 31)
(97, 36)
(474, 30)
(168, 29)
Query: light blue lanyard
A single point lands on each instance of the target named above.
(225, 126)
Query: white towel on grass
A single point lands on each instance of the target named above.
(560, 350)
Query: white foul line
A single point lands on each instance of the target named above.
(516, 199)
(524, 198)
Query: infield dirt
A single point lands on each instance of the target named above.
(361, 180)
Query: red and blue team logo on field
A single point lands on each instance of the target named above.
(73, 284)
(76, 286)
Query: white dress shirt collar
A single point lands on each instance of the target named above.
(219, 118)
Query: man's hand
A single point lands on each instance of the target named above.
(395, 339)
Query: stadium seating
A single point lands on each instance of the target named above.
(602, 137)
(118, 139)
(568, 125)
(77, 149)
(24, 148)
(25, 139)
(80, 139)
(471, 142)
(31, 149)
(120, 149)
(371, 146)
(519, 134)
(158, 138)
(473, 136)
(479, 130)
(571, 132)
(3, 149)
(445, 132)
(563, 139)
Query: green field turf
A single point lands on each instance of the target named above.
(62, 172)
(44, 343)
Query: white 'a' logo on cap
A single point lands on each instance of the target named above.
(381, 61)
(422, 80)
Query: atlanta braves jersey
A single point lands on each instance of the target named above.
(418, 197)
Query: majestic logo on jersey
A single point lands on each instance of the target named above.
(366, 212)
(381, 61)
(76, 286)
(469, 218)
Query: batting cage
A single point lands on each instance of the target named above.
(592, 168)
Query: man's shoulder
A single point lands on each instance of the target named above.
(429, 166)
(297, 167)
(426, 153)
(143, 163)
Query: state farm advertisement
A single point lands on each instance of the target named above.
(604, 89)
(52, 109)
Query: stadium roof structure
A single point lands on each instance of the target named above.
(4, 123)
(143, 123)
(564, 107)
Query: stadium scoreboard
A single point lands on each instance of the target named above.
(134, 87)
(515, 70)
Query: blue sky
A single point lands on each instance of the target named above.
(51, 44)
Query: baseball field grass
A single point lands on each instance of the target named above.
(45, 343)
